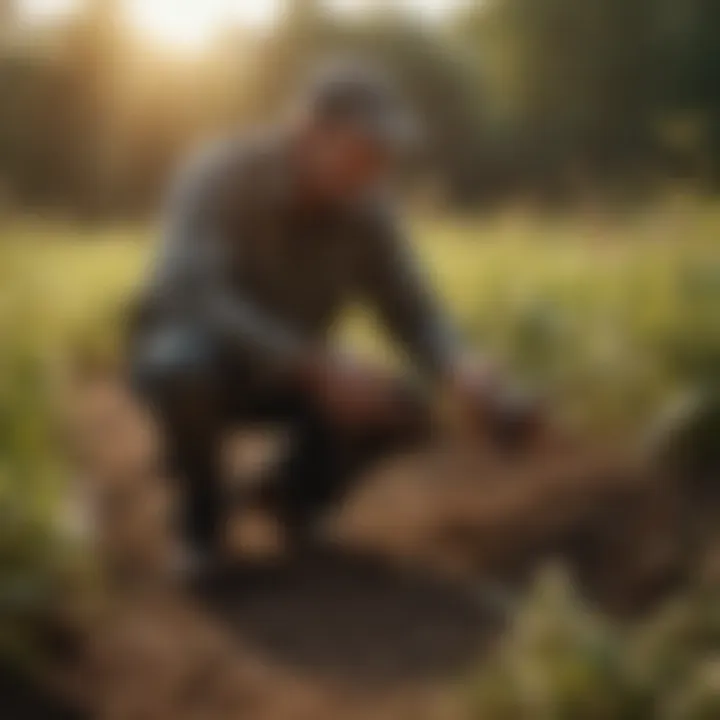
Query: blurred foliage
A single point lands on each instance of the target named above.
(561, 660)
(611, 316)
(548, 99)
(38, 556)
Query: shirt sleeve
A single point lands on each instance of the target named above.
(192, 273)
(394, 283)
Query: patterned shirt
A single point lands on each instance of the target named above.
(269, 277)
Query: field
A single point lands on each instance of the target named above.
(609, 314)
(611, 318)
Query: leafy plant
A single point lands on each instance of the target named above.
(562, 661)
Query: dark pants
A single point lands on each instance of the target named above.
(197, 392)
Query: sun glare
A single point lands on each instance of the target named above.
(190, 25)
(47, 8)
(180, 24)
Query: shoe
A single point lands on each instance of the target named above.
(192, 569)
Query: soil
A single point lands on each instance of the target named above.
(414, 584)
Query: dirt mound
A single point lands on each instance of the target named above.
(406, 599)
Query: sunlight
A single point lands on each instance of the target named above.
(47, 8)
(191, 24)
(181, 23)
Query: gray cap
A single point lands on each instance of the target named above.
(363, 95)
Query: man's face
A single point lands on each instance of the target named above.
(343, 163)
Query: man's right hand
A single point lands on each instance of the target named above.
(354, 393)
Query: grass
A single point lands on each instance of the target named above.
(609, 316)
(35, 553)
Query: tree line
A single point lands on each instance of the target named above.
(540, 98)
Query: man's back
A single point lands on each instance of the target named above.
(231, 216)
(235, 231)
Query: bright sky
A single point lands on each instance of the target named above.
(188, 24)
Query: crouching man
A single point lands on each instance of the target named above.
(266, 241)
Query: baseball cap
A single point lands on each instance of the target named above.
(364, 95)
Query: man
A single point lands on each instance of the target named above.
(267, 240)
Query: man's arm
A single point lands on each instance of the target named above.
(473, 396)
(394, 283)
(192, 274)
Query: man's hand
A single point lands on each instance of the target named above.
(356, 394)
(478, 399)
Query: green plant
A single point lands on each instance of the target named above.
(562, 661)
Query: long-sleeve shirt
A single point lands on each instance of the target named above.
(240, 257)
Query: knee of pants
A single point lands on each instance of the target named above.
(171, 363)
